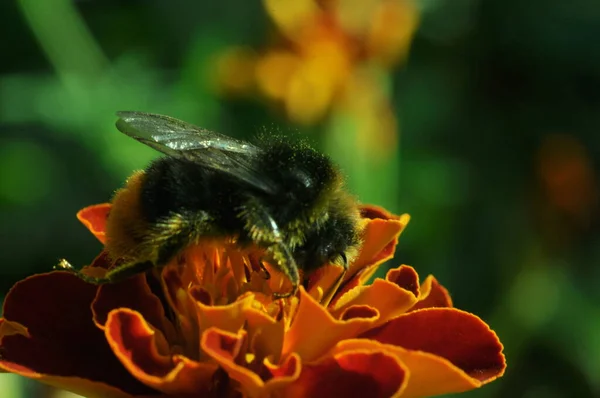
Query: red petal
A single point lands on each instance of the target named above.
(224, 347)
(429, 374)
(55, 309)
(405, 277)
(373, 212)
(433, 295)
(289, 368)
(282, 375)
(460, 337)
(134, 294)
(94, 218)
(135, 343)
(358, 311)
(358, 373)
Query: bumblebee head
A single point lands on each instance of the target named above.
(304, 177)
(335, 241)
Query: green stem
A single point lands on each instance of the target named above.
(64, 38)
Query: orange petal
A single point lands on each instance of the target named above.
(233, 71)
(94, 218)
(380, 237)
(380, 240)
(316, 81)
(8, 328)
(230, 317)
(274, 71)
(433, 295)
(390, 45)
(365, 371)
(314, 331)
(405, 277)
(354, 18)
(62, 343)
(265, 334)
(430, 375)
(283, 374)
(224, 347)
(461, 338)
(322, 280)
(292, 17)
(387, 298)
(134, 342)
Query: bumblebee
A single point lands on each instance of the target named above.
(283, 197)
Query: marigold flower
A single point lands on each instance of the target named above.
(325, 52)
(207, 325)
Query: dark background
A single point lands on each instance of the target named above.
(494, 153)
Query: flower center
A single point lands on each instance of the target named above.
(212, 284)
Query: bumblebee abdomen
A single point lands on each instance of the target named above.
(126, 227)
(174, 186)
(160, 211)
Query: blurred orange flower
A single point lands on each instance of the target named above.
(208, 326)
(567, 173)
(332, 54)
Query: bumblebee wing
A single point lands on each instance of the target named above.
(183, 140)
(173, 137)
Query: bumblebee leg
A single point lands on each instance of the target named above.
(128, 270)
(180, 230)
(264, 231)
(114, 275)
(173, 233)
(290, 269)
(283, 259)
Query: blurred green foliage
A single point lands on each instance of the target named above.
(511, 229)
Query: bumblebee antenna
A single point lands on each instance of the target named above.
(338, 282)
